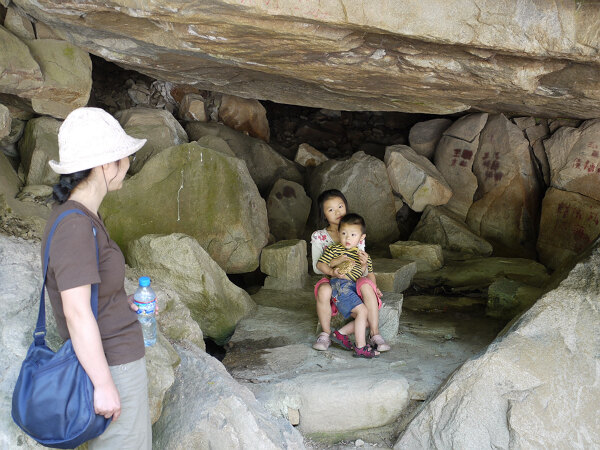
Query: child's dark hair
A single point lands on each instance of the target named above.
(327, 195)
(353, 219)
(67, 182)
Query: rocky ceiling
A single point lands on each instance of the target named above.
(529, 57)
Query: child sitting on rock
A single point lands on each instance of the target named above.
(342, 263)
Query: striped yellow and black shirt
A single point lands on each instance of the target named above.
(335, 250)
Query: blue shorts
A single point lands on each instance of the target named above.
(344, 294)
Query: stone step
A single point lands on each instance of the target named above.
(271, 353)
(441, 303)
(394, 274)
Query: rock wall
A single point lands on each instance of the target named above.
(529, 57)
(537, 386)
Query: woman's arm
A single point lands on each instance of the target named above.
(87, 344)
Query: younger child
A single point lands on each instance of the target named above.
(352, 230)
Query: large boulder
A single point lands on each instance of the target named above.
(570, 222)
(288, 208)
(364, 181)
(158, 126)
(415, 178)
(39, 145)
(441, 226)
(20, 73)
(536, 386)
(285, 264)
(264, 164)
(207, 409)
(508, 196)
(434, 58)
(424, 136)
(574, 157)
(198, 191)
(427, 256)
(181, 263)
(245, 115)
(18, 23)
(67, 71)
(454, 158)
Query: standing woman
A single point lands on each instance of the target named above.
(94, 157)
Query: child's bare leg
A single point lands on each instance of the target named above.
(360, 315)
(324, 307)
(347, 329)
(369, 299)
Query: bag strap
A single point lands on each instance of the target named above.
(39, 335)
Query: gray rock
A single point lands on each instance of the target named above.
(478, 273)
(158, 126)
(207, 409)
(454, 158)
(439, 225)
(264, 164)
(38, 146)
(245, 115)
(5, 122)
(574, 158)
(185, 189)
(364, 181)
(16, 128)
(288, 208)
(18, 23)
(535, 386)
(570, 222)
(508, 195)
(415, 178)
(67, 71)
(507, 298)
(427, 256)
(192, 108)
(21, 74)
(286, 265)
(394, 275)
(181, 263)
(424, 136)
(316, 394)
(308, 156)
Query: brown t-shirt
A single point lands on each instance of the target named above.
(73, 263)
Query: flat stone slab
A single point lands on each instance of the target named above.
(394, 275)
(271, 354)
(440, 303)
(478, 273)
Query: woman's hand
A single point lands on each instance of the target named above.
(134, 307)
(107, 401)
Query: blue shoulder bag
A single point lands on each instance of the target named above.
(53, 400)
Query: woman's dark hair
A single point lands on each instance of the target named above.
(67, 182)
(327, 195)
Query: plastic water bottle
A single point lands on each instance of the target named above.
(145, 300)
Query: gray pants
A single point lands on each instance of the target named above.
(132, 430)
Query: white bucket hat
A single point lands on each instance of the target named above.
(90, 137)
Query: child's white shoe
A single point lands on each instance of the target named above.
(379, 343)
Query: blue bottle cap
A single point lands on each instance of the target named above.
(144, 281)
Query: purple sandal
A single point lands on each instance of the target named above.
(365, 352)
(342, 340)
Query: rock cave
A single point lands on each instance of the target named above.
(466, 133)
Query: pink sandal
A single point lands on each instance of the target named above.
(365, 352)
(342, 340)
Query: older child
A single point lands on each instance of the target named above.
(344, 284)
(332, 207)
